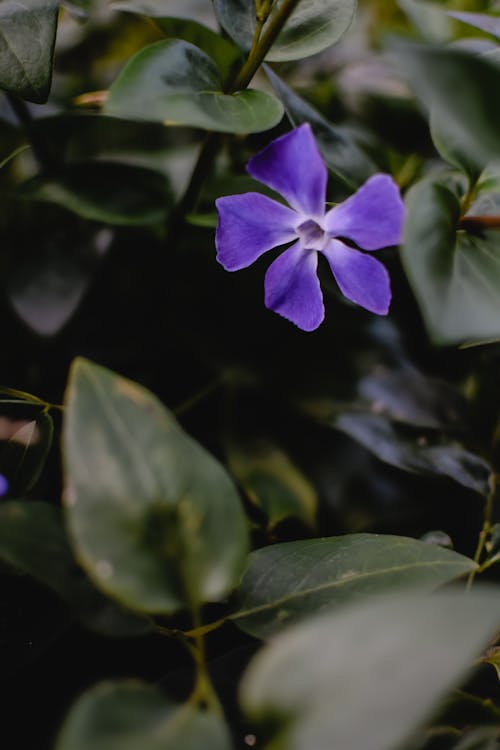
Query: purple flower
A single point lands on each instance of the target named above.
(4, 485)
(251, 224)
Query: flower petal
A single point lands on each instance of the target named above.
(248, 226)
(372, 217)
(293, 166)
(361, 278)
(292, 288)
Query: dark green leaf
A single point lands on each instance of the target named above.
(135, 716)
(32, 540)
(285, 583)
(273, 483)
(24, 450)
(455, 276)
(175, 83)
(107, 192)
(27, 38)
(461, 91)
(155, 520)
(411, 451)
(342, 154)
(312, 27)
(371, 674)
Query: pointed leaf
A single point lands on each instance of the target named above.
(176, 83)
(312, 27)
(129, 715)
(24, 447)
(27, 38)
(285, 583)
(155, 519)
(390, 661)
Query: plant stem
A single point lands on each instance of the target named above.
(484, 533)
(203, 692)
(23, 114)
(261, 45)
(479, 222)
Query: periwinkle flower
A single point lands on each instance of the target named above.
(251, 224)
(4, 485)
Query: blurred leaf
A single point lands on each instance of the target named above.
(130, 715)
(480, 738)
(199, 9)
(32, 539)
(389, 661)
(46, 288)
(431, 20)
(155, 519)
(273, 482)
(24, 452)
(27, 46)
(342, 154)
(176, 83)
(312, 27)
(461, 91)
(409, 450)
(108, 192)
(222, 51)
(285, 583)
(483, 21)
(454, 275)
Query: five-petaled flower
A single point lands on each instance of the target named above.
(251, 224)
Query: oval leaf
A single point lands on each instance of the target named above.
(129, 715)
(312, 27)
(455, 276)
(285, 583)
(156, 521)
(388, 661)
(175, 83)
(27, 46)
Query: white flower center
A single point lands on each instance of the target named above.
(312, 235)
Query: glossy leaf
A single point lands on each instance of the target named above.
(312, 27)
(32, 540)
(176, 83)
(27, 46)
(129, 715)
(455, 276)
(389, 661)
(107, 192)
(285, 583)
(24, 447)
(341, 152)
(273, 482)
(155, 519)
(460, 90)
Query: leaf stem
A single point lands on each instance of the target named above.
(203, 692)
(479, 222)
(484, 533)
(25, 119)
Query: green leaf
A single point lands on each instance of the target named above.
(482, 21)
(27, 39)
(429, 19)
(455, 276)
(156, 521)
(32, 540)
(371, 674)
(461, 91)
(129, 715)
(407, 449)
(313, 26)
(341, 152)
(176, 83)
(108, 192)
(285, 583)
(273, 483)
(24, 449)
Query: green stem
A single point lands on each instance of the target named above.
(192, 401)
(260, 47)
(484, 533)
(203, 693)
(23, 114)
